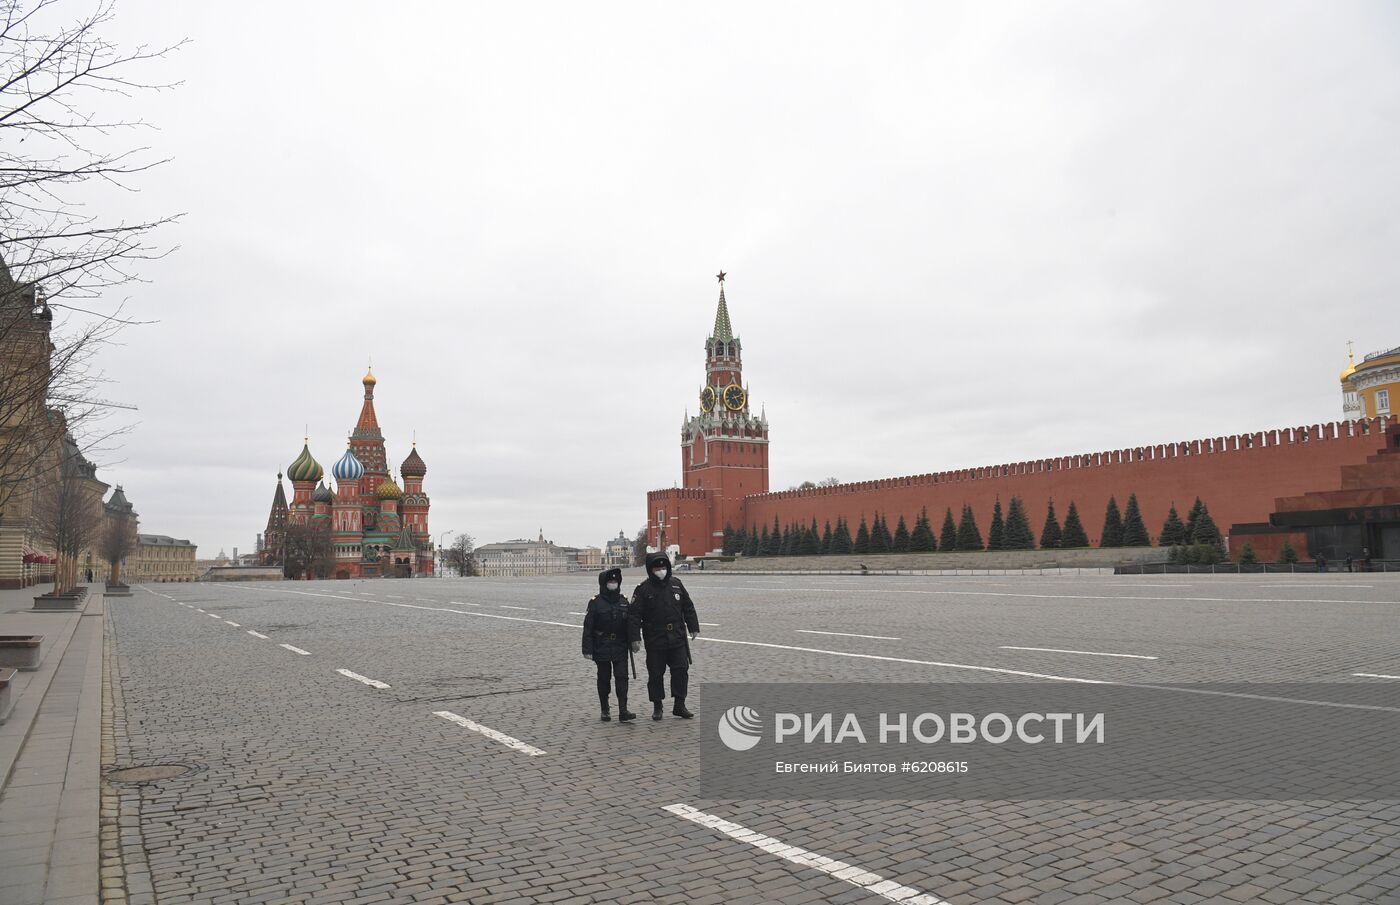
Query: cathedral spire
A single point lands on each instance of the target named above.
(724, 331)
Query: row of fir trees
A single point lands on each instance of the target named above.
(1009, 530)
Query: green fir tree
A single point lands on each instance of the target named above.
(862, 543)
(1173, 531)
(1286, 553)
(968, 537)
(1112, 535)
(751, 546)
(812, 540)
(1134, 531)
(1192, 518)
(841, 543)
(922, 539)
(948, 536)
(1206, 531)
(901, 537)
(996, 534)
(765, 544)
(1074, 536)
(826, 540)
(1018, 527)
(1248, 556)
(1051, 534)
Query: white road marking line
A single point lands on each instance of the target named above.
(841, 870)
(578, 614)
(393, 596)
(1320, 585)
(840, 653)
(525, 608)
(490, 733)
(844, 653)
(462, 603)
(232, 623)
(812, 631)
(198, 610)
(296, 650)
(258, 635)
(970, 593)
(213, 616)
(1374, 675)
(710, 624)
(372, 683)
(1087, 653)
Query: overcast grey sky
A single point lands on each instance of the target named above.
(956, 234)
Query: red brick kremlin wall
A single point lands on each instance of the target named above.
(1239, 478)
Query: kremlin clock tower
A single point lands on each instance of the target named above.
(724, 453)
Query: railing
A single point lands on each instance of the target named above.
(1231, 568)
(1394, 351)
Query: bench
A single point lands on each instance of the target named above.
(21, 651)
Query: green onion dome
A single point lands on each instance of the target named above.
(305, 468)
(322, 494)
(389, 490)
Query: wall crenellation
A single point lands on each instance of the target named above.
(1235, 443)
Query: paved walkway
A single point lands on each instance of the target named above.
(50, 758)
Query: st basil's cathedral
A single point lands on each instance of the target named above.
(376, 528)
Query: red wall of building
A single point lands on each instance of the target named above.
(1238, 477)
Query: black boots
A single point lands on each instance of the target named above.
(606, 717)
(680, 711)
(656, 710)
(623, 714)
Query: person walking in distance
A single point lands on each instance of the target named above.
(665, 615)
(607, 634)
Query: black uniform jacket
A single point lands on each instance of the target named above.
(607, 627)
(663, 609)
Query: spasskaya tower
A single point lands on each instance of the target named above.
(724, 453)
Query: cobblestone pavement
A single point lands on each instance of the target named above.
(312, 786)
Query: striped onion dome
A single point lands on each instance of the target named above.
(389, 490)
(413, 466)
(305, 468)
(348, 468)
(322, 494)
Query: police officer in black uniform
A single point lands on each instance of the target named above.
(607, 633)
(662, 609)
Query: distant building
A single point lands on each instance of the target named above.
(618, 553)
(522, 558)
(1371, 389)
(160, 558)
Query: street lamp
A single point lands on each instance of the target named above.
(441, 566)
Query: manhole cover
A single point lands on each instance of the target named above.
(149, 774)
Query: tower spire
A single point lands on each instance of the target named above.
(724, 331)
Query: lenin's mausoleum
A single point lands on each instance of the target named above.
(1328, 489)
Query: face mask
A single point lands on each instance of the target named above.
(659, 573)
(613, 586)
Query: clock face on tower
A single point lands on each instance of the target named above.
(734, 397)
(707, 399)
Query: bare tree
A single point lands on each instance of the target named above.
(117, 541)
(67, 514)
(309, 553)
(62, 248)
(639, 547)
(459, 556)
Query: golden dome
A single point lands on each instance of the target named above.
(369, 380)
(389, 490)
(1350, 368)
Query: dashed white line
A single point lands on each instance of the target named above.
(525, 608)
(373, 683)
(490, 733)
(1087, 653)
(710, 624)
(578, 614)
(232, 623)
(296, 650)
(258, 635)
(1374, 675)
(812, 631)
(214, 616)
(841, 870)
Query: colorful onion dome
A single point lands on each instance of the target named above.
(348, 468)
(389, 490)
(413, 466)
(369, 380)
(305, 468)
(322, 494)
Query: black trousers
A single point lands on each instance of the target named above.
(617, 671)
(658, 659)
